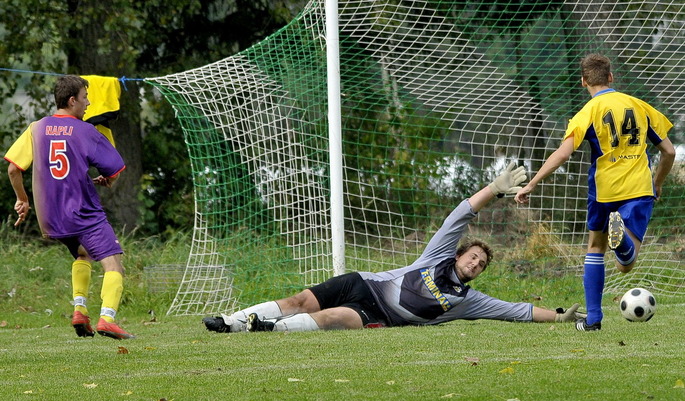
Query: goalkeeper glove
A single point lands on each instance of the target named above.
(569, 315)
(508, 181)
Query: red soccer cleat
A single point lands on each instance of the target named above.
(81, 324)
(112, 330)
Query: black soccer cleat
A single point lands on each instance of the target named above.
(254, 324)
(216, 324)
(581, 325)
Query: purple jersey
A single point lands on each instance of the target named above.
(64, 148)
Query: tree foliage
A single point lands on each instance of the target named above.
(125, 39)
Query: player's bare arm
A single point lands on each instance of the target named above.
(665, 164)
(105, 181)
(21, 206)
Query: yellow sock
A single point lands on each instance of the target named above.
(80, 284)
(112, 287)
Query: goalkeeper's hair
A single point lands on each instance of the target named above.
(66, 87)
(468, 243)
(595, 68)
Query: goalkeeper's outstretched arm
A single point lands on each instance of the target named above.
(541, 315)
(506, 183)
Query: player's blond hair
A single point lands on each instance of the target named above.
(595, 69)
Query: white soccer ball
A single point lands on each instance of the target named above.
(638, 305)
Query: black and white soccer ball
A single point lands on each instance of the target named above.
(638, 305)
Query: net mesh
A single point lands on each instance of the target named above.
(436, 97)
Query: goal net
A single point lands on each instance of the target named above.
(436, 97)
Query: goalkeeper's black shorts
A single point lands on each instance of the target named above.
(350, 291)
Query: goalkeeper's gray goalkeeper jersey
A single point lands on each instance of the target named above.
(429, 292)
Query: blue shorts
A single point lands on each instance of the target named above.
(636, 214)
(100, 242)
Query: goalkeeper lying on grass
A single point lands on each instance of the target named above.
(432, 290)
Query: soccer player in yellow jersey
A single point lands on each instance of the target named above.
(621, 187)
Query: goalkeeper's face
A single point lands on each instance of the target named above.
(471, 263)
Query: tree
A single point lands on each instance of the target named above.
(128, 39)
(104, 25)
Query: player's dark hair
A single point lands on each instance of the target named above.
(595, 69)
(66, 87)
(466, 244)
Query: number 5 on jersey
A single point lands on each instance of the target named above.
(59, 162)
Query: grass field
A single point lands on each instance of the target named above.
(175, 358)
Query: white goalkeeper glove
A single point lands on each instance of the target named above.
(508, 182)
(569, 315)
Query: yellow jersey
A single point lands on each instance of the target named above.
(617, 127)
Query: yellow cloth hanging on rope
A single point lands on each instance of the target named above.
(103, 94)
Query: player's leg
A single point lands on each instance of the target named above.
(628, 247)
(102, 245)
(628, 226)
(331, 293)
(341, 303)
(112, 288)
(80, 280)
(593, 281)
(81, 270)
(338, 318)
(80, 285)
(303, 302)
(594, 270)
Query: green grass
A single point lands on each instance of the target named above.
(35, 276)
(175, 358)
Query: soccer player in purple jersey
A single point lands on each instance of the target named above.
(432, 290)
(62, 148)
(621, 188)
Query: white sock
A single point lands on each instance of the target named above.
(298, 322)
(80, 301)
(265, 310)
(236, 325)
(108, 312)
